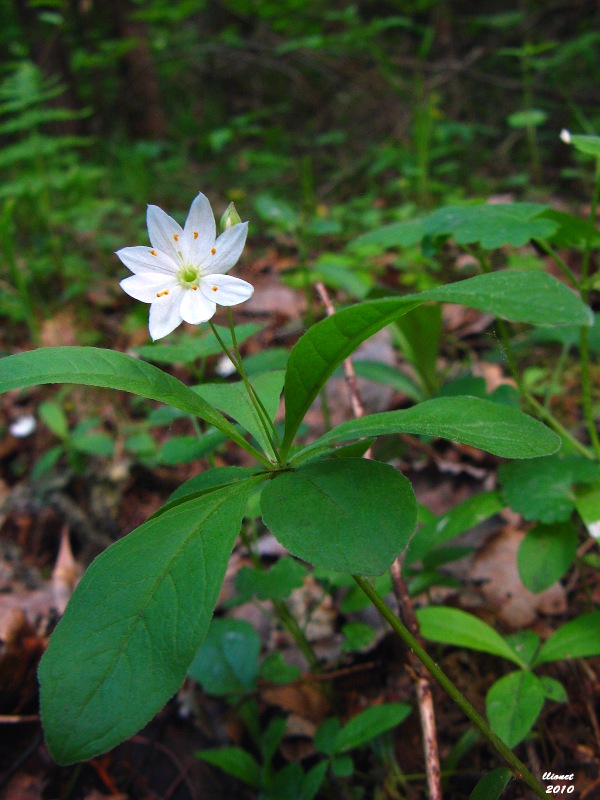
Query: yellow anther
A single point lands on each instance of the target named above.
(160, 294)
(213, 250)
(153, 253)
(195, 234)
(176, 237)
(195, 288)
(214, 288)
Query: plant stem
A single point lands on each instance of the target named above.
(586, 390)
(240, 370)
(560, 262)
(584, 349)
(542, 413)
(585, 264)
(247, 383)
(291, 623)
(519, 769)
(286, 617)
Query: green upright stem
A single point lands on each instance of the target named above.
(584, 349)
(586, 390)
(287, 618)
(236, 361)
(560, 262)
(542, 412)
(585, 264)
(247, 383)
(519, 769)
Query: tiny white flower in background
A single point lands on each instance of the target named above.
(183, 275)
(224, 367)
(565, 136)
(22, 427)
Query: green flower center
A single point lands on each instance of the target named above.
(188, 276)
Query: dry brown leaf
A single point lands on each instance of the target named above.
(306, 700)
(496, 567)
(60, 329)
(23, 787)
(66, 573)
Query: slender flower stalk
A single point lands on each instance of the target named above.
(235, 358)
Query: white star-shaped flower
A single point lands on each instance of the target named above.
(183, 275)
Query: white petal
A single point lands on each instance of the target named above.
(23, 426)
(228, 249)
(199, 232)
(142, 259)
(195, 308)
(146, 286)
(225, 289)
(164, 314)
(164, 232)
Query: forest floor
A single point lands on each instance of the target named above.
(52, 527)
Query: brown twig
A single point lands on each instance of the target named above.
(358, 408)
(422, 683)
(423, 686)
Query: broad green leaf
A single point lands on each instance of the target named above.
(227, 660)
(494, 427)
(543, 489)
(554, 690)
(588, 145)
(184, 449)
(491, 225)
(191, 348)
(233, 399)
(459, 519)
(134, 623)
(530, 117)
(517, 296)
(418, 334)
(54, 418)
(525, 644)
(545, 554)
(276, 670)
(370, 723)
(93, 444)
(492, 785)
(270, 360)
(322, 349)
(579, 638)
(587, 503)
(513, 704)
(428, 578)
(342, 766)
(569, 335)
(313, 780)
(357, 636)
(572, 231)
(286, 784)
(389, 376)
(211, 479)
(445, 555)
(234, 761)
(275, 583)
(92, 366)
(271, 738)
(533, 297)
(326, 736)
(350, 515)
(456, 627)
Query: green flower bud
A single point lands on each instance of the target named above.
(230, 218)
